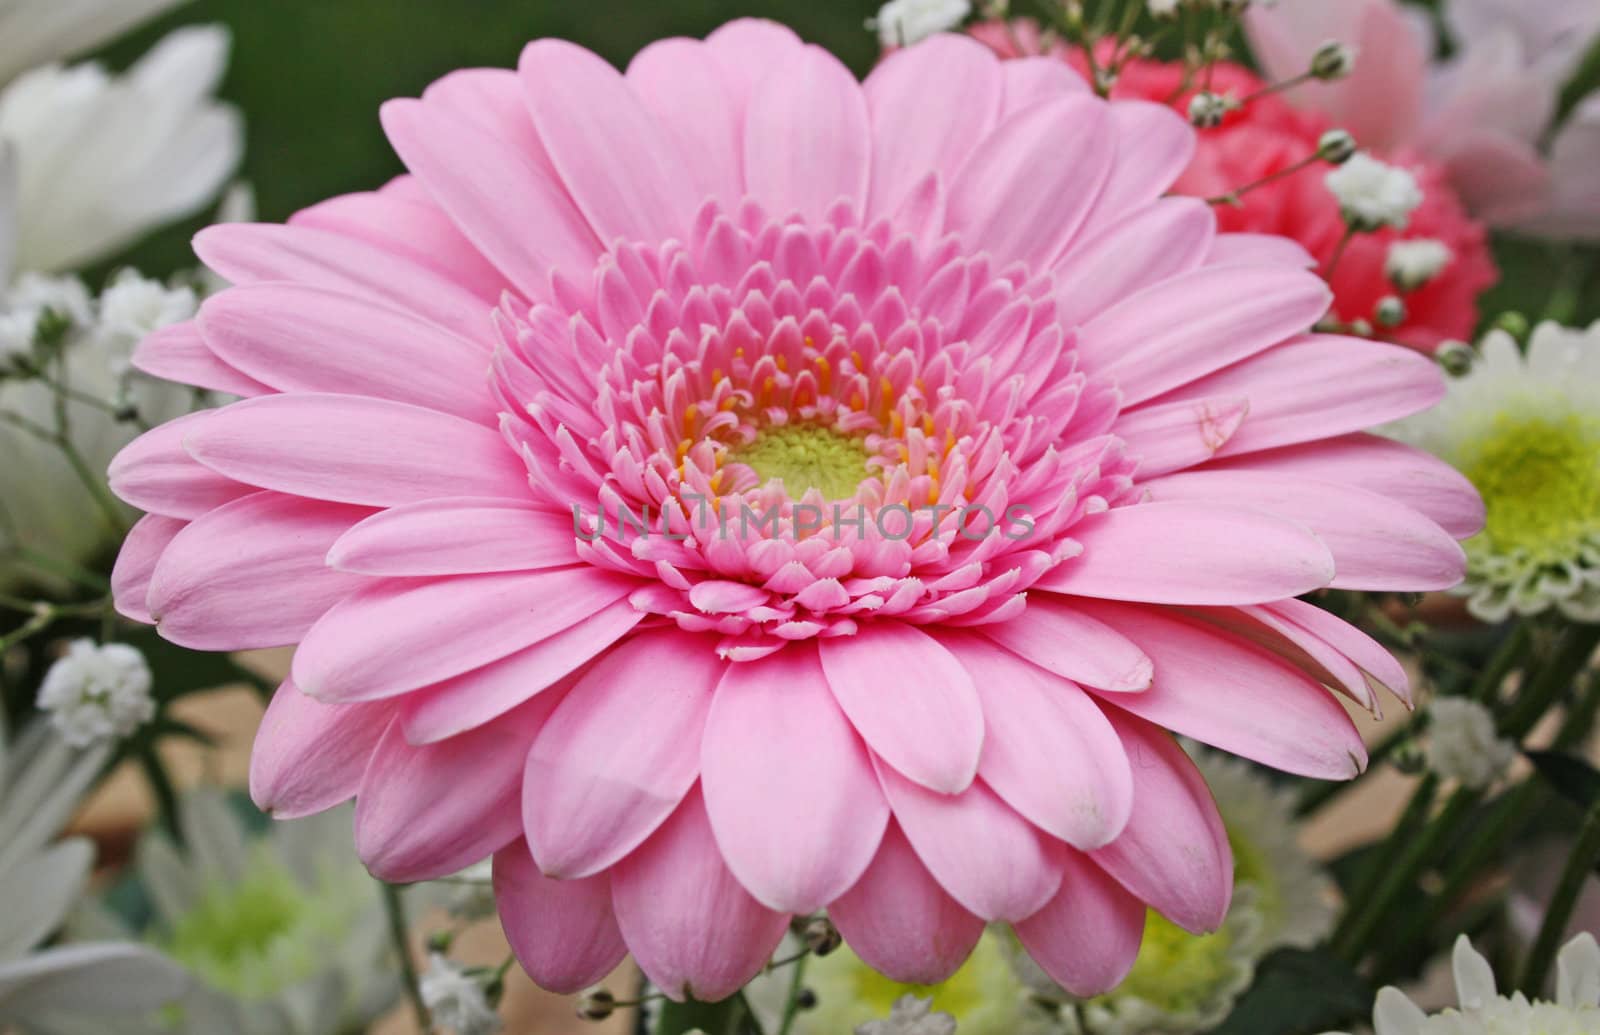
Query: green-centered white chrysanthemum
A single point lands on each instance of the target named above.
(284, 929)
(1525, 430)
(1484, 1011)
(985, 996)
(1183, 983)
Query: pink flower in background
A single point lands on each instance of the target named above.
(1481, 115)
(962, 466)
(1268, 136)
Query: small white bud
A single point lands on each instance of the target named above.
(1164, 8)
(1374, 194)
(1391, 312)
(1456, 357)
(456, 999)
(596, 1004)
(97, 692)
(820, 936)
(1207, 110)
(1463, 744)
(1411, 264)
(1333, 60)
(900, 23)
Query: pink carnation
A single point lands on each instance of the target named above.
(955, 293)
(1267, 137)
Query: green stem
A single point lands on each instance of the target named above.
(712, 1018)
(1385, 858)
(1320, 793)
(1541, 691)
(791, 1006)
(166, 795)
(400, 935)
(1512, 654)
(1585, 854)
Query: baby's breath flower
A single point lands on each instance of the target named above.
(1374, 194)
(900, 23)
(456, 999)
(911, 1016)
(1463, 745)
(97, 692)
(1411, 264)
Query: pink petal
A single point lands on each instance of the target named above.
(807, 139)
(691, 927)
(1184, 328)
(776, 745)
(424, 812)
(987, 857)
(931, 105)
(136, 562)
(247, 253)
(1244, 249)
(1320, 386)
(693, 102)
(1087, 937)
(155, 473)
(564, 932)
(493, 192)
(1037, 80)
(1311, 654)
(399, 635)
(1169, 437)
(910, 700)
(250, 574)
(1192, 553)
(1048, 751)
(1377, 544)
(1400, 472)
(1145, 246)
(1174, 853)
(178, 353)
(1229, 693)
(354, 449)
(309, 756)
(621, 168)
(456, 537)
(1016, 198)
(747, 50)
(472, 699)
(1057, 637)
(901, 922)
(282, 335)
(1154, 146)
(620, 753)
(1372, 657)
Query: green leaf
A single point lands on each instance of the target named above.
(1575, 779)
(1299, 992)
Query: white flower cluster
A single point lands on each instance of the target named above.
(901, 23)
(456, 999)
(97, 692)
(1463, 745)
(911, 1016)
(1374, 194)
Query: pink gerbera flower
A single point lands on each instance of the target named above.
(728, 491)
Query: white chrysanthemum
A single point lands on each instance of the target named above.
(1526, 432)
(911, 1016)
(1463, 745)
(35, 31)
(102, 159)
(1411, 264)
(456, 999)
(97, 692)
(900, 23)
(986, 996)
(1374, 194)
(1484, 1011)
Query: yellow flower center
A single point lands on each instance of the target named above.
(1540, 480)
(1176, 970)
(806, 457)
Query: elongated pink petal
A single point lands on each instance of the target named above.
(250, 573)
(1154, 146)
(399, 635)
(1372, 657)
(1377, 544)
(178, 353)
(694, 103)
(1169, 437)
(776, 744)
(564, 932)
(1400, 472)
(456, 537)
(807, 138)
(911, 701)
(1174, 853)
(931, 105)
(323, 446)
(1192, 553)
(1015, 199)
(1036, 80)
(136, 562)
(1245, 249)
(248, 253)
(1146, 246)
(1231, 694)
(620, 753)
(155, 473)
(309, 756)
(1048, 751)
(747, 50)
(1265, 627)
(692, 928)
(474, 698)
(410, 827)
(610, 151)
(491, 191)
(284, 335)
(1184, 328)
(1057, 637)
(901, 922)
(983, 853)
(1087, 937)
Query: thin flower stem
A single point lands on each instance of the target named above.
(1278, 87)
(1321, 793)
(1511, 655)
(1338, 252)
(791, 1006)
(155, 772)
(1585, 854)
(1540, 692)
(400, 936)
(1370, 886)
(1233, 196)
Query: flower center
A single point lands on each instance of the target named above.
(1540, 480)
(805, 457)
(1176, 970)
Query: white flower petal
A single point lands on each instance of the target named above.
(1578, 973)
(1394, 1014)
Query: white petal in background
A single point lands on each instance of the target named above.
(35, 31)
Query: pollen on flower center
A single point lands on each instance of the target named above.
(806, 457)
(1540, 480)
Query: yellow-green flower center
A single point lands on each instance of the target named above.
(1539, 475)
(807, 457)
(1176, 970)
